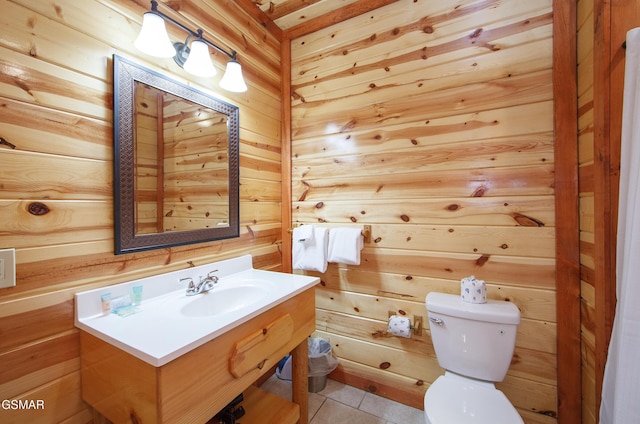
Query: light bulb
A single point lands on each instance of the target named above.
(153, 38)
(199, 62)
(233, 79)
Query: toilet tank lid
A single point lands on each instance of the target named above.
(493, 311)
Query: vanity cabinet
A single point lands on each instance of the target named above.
(195, 386)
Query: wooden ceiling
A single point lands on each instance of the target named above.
(293, 18)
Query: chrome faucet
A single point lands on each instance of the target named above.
(204, 285)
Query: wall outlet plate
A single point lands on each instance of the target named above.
(7, 268)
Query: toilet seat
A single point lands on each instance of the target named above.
(453, 399)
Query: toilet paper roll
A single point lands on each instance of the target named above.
(399, 326)
(473, 290)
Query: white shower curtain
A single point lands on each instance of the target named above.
(621, 386)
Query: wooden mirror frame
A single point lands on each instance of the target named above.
(125, 74)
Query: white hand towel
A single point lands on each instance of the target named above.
(345, 245)
(303, 233)
(312, 255)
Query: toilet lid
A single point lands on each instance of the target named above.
(454, 399)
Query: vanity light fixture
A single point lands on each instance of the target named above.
(154, 41)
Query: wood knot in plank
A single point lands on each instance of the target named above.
(348, 126)
(405, 218)
(37, 209)
(173, 5)
(5, 142)
(453, 207)
(526, 221)
(319, 205)
(479, 192)
(58, 10)
(307, 188)
(476, 33)
(482, 260)
(548, 413)
(385, 365)
(135, 419)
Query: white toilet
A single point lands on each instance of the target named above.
(474, 344)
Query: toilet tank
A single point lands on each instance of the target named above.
(474, 340)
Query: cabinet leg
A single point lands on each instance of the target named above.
(299, 379)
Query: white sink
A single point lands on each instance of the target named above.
(169, 323)
(227, 296)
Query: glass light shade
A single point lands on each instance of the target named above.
(199, 62)
(153, 38)
(233, 79)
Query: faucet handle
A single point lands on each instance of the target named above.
(210, 281)
(191, 288)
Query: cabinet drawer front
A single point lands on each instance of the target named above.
(253, 351)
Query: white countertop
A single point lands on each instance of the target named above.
(160, 332)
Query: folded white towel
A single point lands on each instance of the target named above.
(345, 245)
(303, 233)
(312, 255)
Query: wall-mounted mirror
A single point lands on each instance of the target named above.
(176, 160)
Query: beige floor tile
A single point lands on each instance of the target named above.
(338, 403)
(333, 412)
(342, 393)
(391, 411)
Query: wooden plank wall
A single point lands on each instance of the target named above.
(56, 97)
(602, 27)
(585, 23)
(433, 123)
(147, 167)
(195, 174)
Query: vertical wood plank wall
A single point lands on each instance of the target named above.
(56, 108)
(585, 55)
(434, 124)
(602, 27)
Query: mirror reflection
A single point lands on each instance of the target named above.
(181, 164)
(176, 162)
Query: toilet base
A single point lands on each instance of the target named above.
(456, 399)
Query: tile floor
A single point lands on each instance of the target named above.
(340, 404)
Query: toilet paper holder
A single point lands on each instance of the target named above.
(416, 323)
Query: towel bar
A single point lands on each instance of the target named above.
(366, 233)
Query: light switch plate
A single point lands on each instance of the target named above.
(7, 268)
